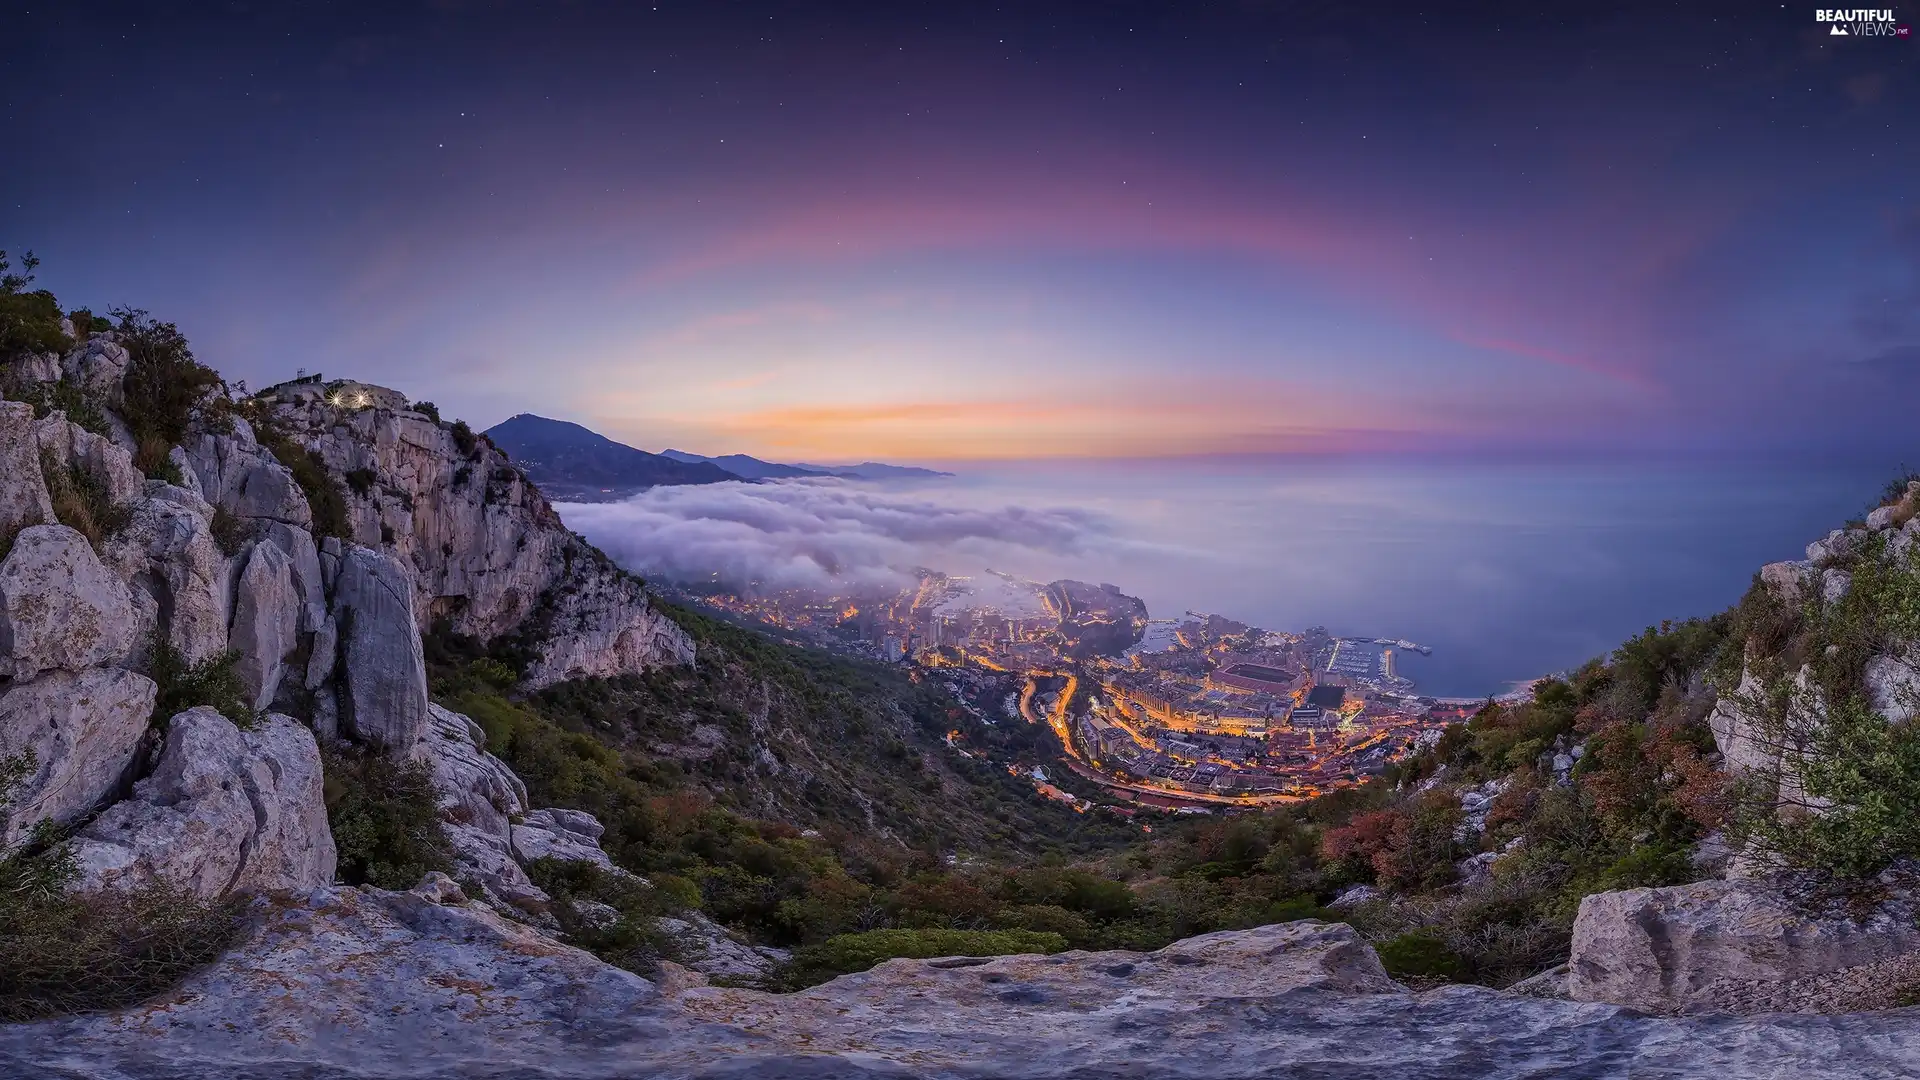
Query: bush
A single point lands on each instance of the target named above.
(848, 953)
(65, 398)
(385, 819)
(212, 682)
(464, 438)
(68, 952)
(360, 480)
(1421, 956)
(230, 534)
(630, 938)
(324, 497)
(428, 408)
(154, 461)
(29, 321)
(81, 502)
(164, 383)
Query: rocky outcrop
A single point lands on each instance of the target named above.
(225, 811)
(478, 797)
(243, 478)
(448, 989)
(715, 952)
(488, 553)
(23, 498)
(175, 571)
(1747, 946)
(384, 700)
(99, 368)
(567, 835)
(266, 622)
(82, 733)
(67, 445)
(59, 607)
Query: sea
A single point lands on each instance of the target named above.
(1506, 571)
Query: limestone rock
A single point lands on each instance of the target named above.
(1893, 685)
(59, 607)
(566, 835)
(385, 701)
(1740, 946)
(224, 811)
(710, 949)
(1786, 580)
(304, 559)
(167, 554)
(99, 368)
(189, 480)
(23, 497)
(69, 446)
(266, 622)
(478, 796)
(1838, 544)
(1834, 584)
(452, 990)
(83, 730)
(243, 478)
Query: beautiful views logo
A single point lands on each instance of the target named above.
(1861, 22)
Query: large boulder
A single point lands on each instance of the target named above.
(167, 553)
(1749, 946)
(605, 626)
(712, 950)
(82, 733)
(478, 798)
(225, 811)
(565, 835)
(23, 497)
(385, 699)
(243, 478)
(266, 622)
(59, 607)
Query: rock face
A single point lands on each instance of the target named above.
(59, 607)
(488, 553)
(453, 990)
(266, 621)
(23, 498)
(243, 478)
(1740, 946)
(175, 571)
(567, 835)
(385, 671)
(83, 731)
(478, 797)
(224, 811)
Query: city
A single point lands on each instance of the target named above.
(1181, 714)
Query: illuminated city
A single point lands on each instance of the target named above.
(1190, 712)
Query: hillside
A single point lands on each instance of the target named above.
(752, 468)
(569, 462)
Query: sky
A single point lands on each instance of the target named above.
(948, 232)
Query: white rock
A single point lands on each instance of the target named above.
(189, 480)
(1881, 517)
(1786, 580)
(23, 495)
(304, 555)
(225, 811)
(566, 835)
(385, 699)
(99, 368)
(244, 479)
(167, 553)
(67, 445)
(1738, 946)
(83, 730)
(1834, 584)
(59, 607)
(1893, 686)
(712, 950)
(266, 622)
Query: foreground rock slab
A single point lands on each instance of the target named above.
(360, 984)
(1748, 946)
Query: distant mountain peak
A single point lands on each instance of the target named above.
(571, 461)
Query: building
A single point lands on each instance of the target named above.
(1252, 679)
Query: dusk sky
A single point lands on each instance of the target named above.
(936, 232)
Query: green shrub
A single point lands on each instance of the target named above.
(428, 408)
(29, 321)
(324, 497)
(70, 952)
(230, 534)
(65, 398)
(361, 480)
(848, 953)
(1422, 956)
(213, 682)
(464, 438)
(385, 819)
(164, 383)
(154, 461)
(632, 938)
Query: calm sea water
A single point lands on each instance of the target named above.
(1506, 571)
